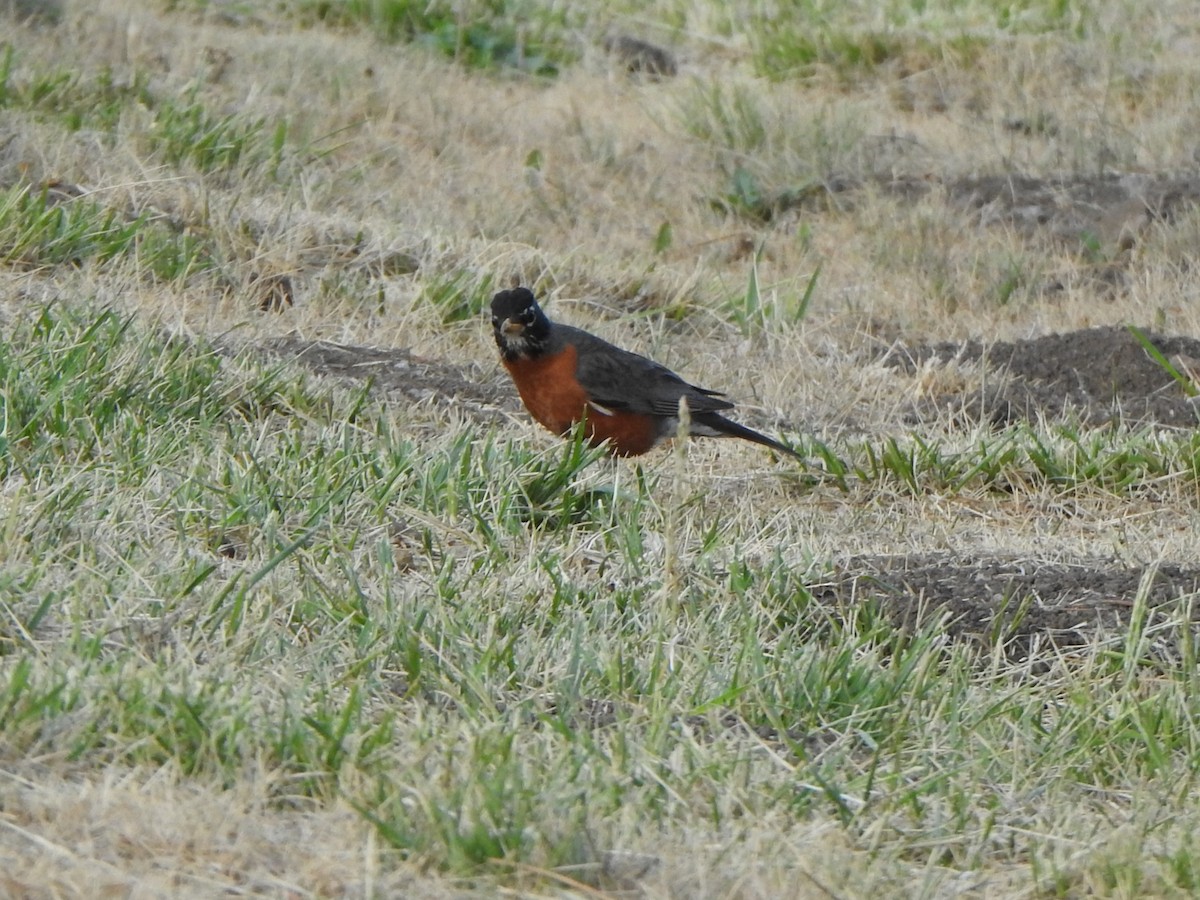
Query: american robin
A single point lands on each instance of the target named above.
(564, 375)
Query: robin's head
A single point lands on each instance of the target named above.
(520, 326)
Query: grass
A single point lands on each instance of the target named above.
(36, 232)
(251, 512)
(272, 632)
(789, 50)
(70, 97)
(187, 133)
(1065, 458)
(486, 34)
(182, 131)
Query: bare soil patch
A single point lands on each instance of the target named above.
(396, 372)
(1108, 210)
(1098, 376)
(1029, 605)
(1110, 207)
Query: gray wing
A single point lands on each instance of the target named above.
(617, 379)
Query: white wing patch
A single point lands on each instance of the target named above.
(603, 410)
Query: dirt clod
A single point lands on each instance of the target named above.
(641, 57)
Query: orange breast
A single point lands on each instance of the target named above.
(549, 390)
(554, 398)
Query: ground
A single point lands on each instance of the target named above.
(1097, 376)
(296, 600)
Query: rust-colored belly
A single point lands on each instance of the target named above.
(554, 397)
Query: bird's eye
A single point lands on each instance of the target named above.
(495, 320)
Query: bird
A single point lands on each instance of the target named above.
(565, 375)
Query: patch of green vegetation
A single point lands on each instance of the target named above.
(1045, 16)
(187, 132)
(482, 34)
(1185, 383)
(909, 37)
(37, 230)
(68, 97)
(182, 131)
(459, 295)
(1067, 459)
(747, 199)
(771, 160)
(786, 53)
(791, 48)
(77, 388)
(753, 311)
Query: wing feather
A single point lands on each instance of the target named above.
(616, 379)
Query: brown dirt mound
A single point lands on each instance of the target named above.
(400, 373)
(1107, 208)
(1099, 375)
(1025, 603)
(1099, 211)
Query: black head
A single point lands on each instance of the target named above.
(518, 323)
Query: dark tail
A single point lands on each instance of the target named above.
(728, 428)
